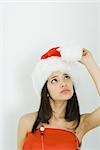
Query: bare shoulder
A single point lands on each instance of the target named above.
(27, 120)
(83, 123)
(25, 124)
(80, 130)
(89, 121)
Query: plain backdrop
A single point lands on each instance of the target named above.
(27, 29)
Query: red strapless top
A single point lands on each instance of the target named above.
(51, 139)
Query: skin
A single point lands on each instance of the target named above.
(88, 121)
(56, 83)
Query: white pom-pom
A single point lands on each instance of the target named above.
(71, 54)
(42, 128)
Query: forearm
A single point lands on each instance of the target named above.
(94, 71)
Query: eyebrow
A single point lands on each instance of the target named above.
(57, 76)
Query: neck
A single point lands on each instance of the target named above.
(59, 109)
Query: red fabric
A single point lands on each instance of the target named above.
(51, 52)
(52, 139)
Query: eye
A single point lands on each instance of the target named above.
(54, 81)
(66, 76)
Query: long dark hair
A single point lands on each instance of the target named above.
(45, 111)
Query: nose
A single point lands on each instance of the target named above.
(63, 83)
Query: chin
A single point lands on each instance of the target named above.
(66, 97)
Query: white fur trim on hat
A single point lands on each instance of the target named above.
(71, 54)
(45, 67)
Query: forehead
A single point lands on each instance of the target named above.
(56, 73)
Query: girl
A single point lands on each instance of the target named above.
(58, 123)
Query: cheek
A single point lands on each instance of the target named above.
(72, 90)
(53, 90)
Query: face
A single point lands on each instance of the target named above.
(60, 86)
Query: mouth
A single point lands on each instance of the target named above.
(65, 91)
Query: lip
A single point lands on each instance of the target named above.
(65, 90)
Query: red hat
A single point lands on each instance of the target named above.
(53, 60)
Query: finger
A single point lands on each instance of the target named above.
(85, 49)
(84, 52)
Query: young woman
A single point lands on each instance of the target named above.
(58, 123)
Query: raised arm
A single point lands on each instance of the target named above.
(91, 120)
(89, 62)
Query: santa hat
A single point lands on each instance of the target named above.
(64, 60)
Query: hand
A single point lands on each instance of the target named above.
(86, 57)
